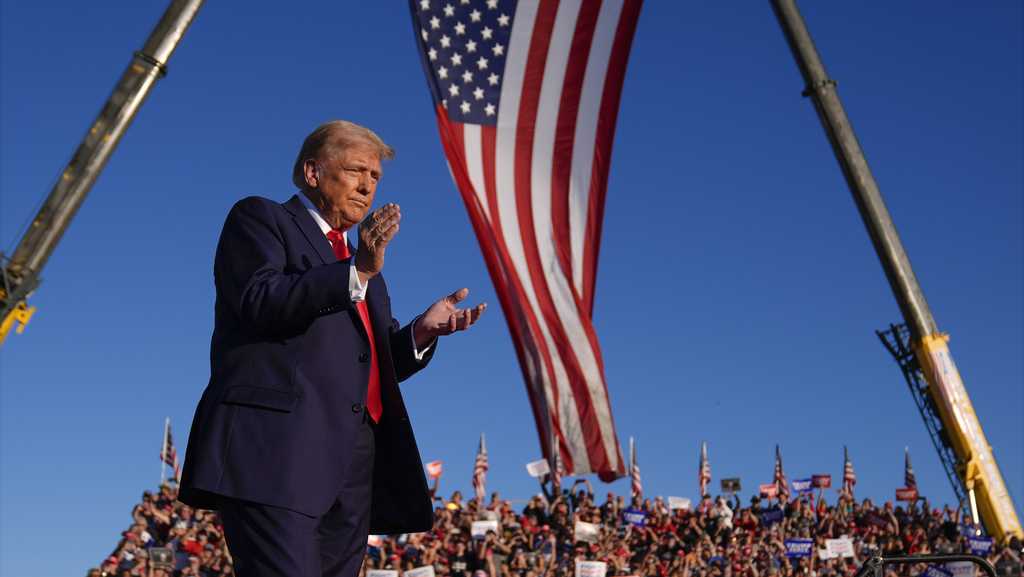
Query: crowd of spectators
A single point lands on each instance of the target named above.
(717, 537)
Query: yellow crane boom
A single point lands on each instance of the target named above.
(921, 348)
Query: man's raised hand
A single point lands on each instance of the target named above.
(445, 318)
(375, 232)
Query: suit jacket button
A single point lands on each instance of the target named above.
(363, 357)
(357, 408)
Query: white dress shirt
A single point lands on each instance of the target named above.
(356, 288)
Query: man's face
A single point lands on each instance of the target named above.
(347, 183)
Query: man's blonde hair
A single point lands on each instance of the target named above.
(329, 139)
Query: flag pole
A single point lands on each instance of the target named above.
(163, 451)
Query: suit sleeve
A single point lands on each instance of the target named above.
(403, 351)
(251, 275)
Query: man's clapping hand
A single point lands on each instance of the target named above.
(375, 232)
(445, 318)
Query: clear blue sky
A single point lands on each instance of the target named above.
(737, 296)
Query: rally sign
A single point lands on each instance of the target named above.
(771, 516)
(635, 517)
(588, 532)
(821, 481)
(769, 490)
(841, 547)
(731, 485)
(538, 468)
(906, 494)
(425, 571)
(961, 569)
(980, 546)
(799, 547)
(678, 503)
(382, 573)
(434, 469)
(591, 568)
(479, 529)
(802, 486)
(936, 571)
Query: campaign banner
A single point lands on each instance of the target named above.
(769, 490)
(936, 571)
(821, 481)
(841, 547)
(678, 503)
(961, 569)
(771, 516)
(799, 547)
(906, 494)
(635, 517)
(434, 469)
(374, 540)
(824, 554)
(591, 568)
(588, 532)
(538, 468)
(424, 571)
(802, 486)
(479, 529)
(382, 573)
(980, 546)
(731, 485)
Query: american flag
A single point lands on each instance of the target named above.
(909, 479)
(480, 471)
(704, 472)
(556, 467)
(526, 96)
(780, 477)
(168, 453)
(634, 471)
(849, 477)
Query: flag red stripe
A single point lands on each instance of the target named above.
(565, 132)
(532, 81)
(603, 145)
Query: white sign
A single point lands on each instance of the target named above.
(822, 554)
(479, 529)
(538, 468)
(588, 532)
(961, 568)
(425, 571)
(591, 568)
(374, 540)
(381, 573)
(842, 547)
(678, 503)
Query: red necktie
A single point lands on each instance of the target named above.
(373, 404)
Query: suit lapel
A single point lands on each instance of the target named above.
(310, 230)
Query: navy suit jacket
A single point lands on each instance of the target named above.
(289, 366)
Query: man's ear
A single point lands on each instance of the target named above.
(311, 173)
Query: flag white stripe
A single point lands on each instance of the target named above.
(586, 133)
(473, 152)
(541, 169)
(515, 67)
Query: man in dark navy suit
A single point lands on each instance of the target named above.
(301, 439)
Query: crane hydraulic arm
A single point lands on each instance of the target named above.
(19, 275)
(941, 394)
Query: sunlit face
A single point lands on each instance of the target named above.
(346, 184)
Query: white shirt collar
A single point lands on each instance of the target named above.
(324, 227)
